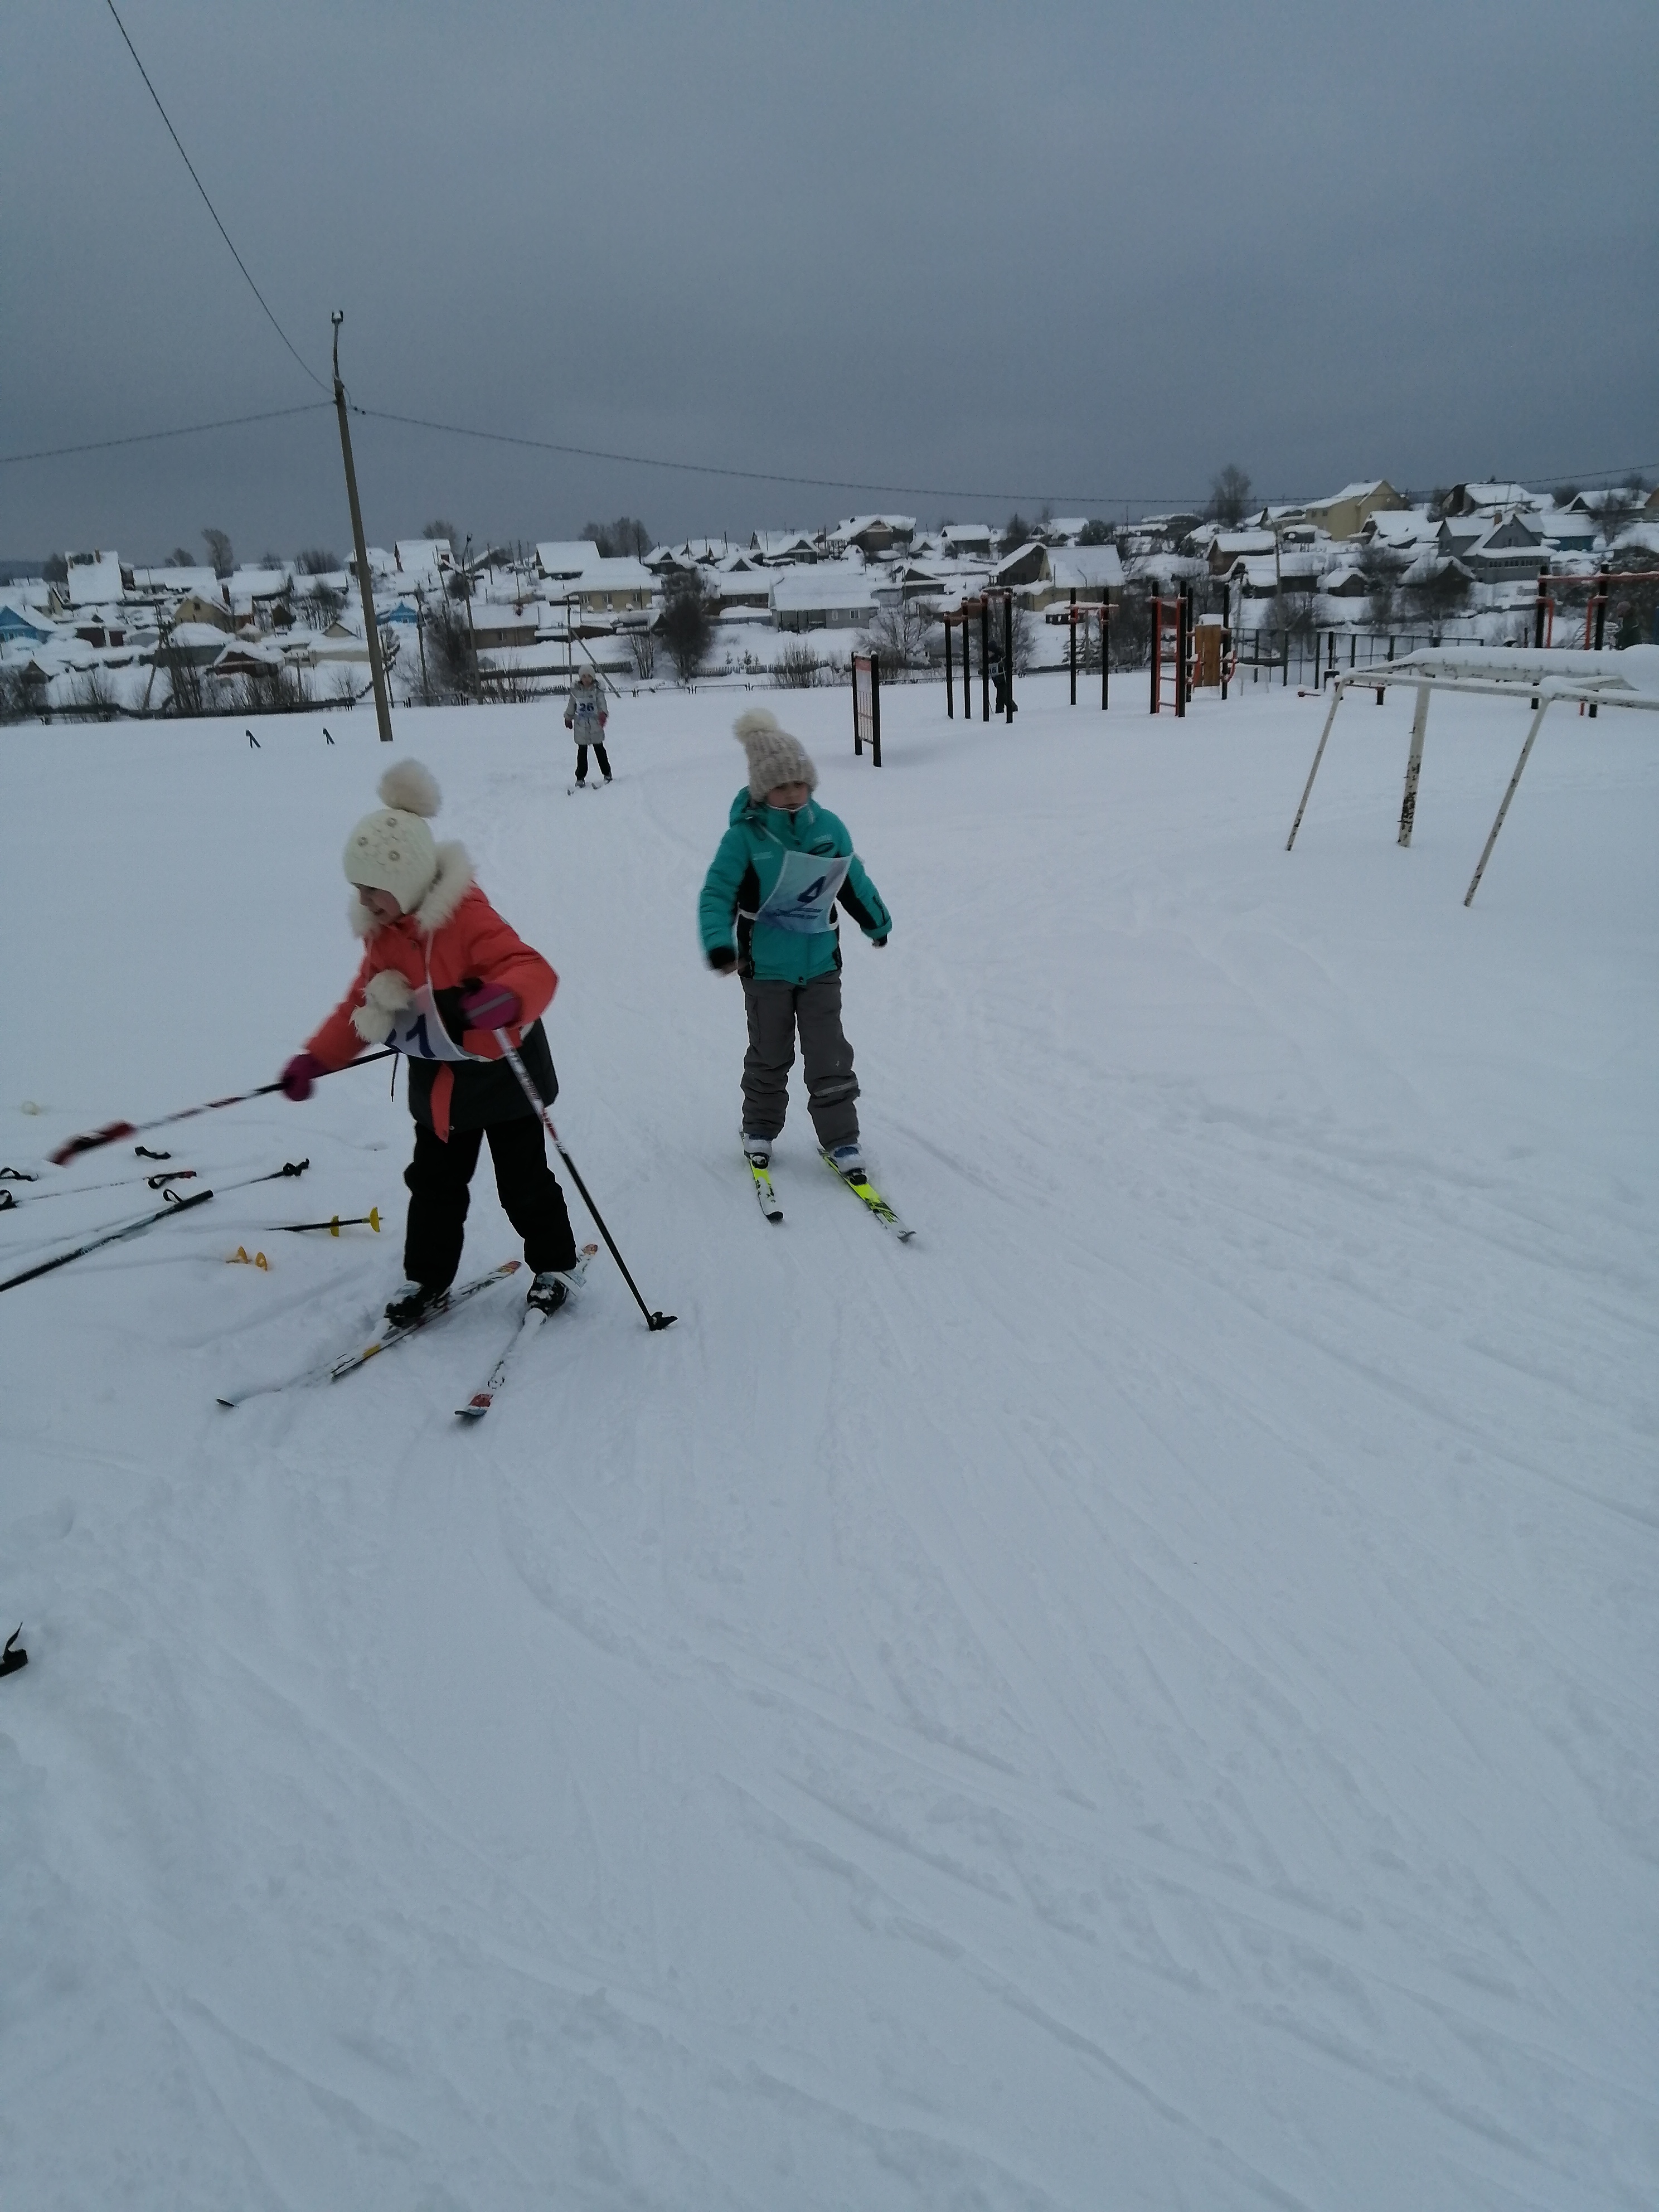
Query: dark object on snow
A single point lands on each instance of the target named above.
(112, 1236)
(113, 1131)
(7, 1201)
(11, 1658)
(254, 742)
(327, 740)
(144, 1152)
(18, 1175)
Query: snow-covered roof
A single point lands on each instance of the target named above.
(95, 579)
(258, 583)
(621, 573)
(422, 557)
(824, 584)
(566, 556)
(1085, 568)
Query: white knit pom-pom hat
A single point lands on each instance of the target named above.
(774, 756)
(393, 851)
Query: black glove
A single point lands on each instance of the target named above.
(722, 959)
(877, 942)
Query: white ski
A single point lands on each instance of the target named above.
(530, 1325)
(331, 1370)
(761, 1172)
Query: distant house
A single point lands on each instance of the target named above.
(196, 607)
(1042, 574)
(834, 595)
(15, 624)
(93, 580)
(423, 558)
(967, 541)
(873, 535)
(1343, 514)
(780, 546)
(1227, 546)
(619, 585)
(496, 627)
(1487, 498)
(563, 559)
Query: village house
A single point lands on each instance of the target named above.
(1344, 515)
(873, 535)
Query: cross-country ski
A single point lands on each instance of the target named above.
(530, 1325)
(387, 1339)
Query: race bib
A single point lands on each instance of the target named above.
(418, 1030)
(803, 893)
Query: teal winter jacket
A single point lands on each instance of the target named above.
(754, 853)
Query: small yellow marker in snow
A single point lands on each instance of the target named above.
(240, 1257)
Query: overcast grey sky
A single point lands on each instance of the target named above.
(1086, 252)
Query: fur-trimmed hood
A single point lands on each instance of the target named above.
(450, 886)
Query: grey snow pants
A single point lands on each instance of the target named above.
(774, 1011)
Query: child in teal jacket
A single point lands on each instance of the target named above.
(766, 913)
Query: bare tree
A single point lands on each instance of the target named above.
(1230, 495)
(54, 569)
(218, 546)
(186, 692)
(318, 561)
(615, 540)
(642, 643)
(20, 694)
(446, 530)
(181, 557)
(96, 698)
(686, 626)
(1017, 532)
(902, 637)
(798, 667)
(1094, 533)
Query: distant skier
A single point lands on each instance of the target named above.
(1000, 682)
(782, 867)
(441, 973)
(585, 716)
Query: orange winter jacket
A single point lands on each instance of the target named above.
(453, 940)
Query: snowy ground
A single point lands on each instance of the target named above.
(1142, 1697)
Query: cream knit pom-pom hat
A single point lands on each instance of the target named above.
(774, 756)
(394, 851)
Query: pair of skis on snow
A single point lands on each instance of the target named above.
(855, 1179)
(529, 1325)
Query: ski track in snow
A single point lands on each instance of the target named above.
(1141, 1698)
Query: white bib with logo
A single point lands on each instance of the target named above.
(800, 899)
(418, 1030)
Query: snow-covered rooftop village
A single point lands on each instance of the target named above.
(97, 635)
(829, 1211)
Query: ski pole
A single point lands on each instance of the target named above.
(112, 1236)
(336, 1223)
(121, 1182)
(112, 1132)
(653, 1320)
(175, 1205)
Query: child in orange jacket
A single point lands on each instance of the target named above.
(441, 973)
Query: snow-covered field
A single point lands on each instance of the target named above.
(1142, 1697)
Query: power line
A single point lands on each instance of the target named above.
(211, 210)
(753, 476)
(149, 437)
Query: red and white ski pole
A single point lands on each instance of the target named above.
(112, 1132)
(652, 1320)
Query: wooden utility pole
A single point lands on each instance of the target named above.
(365, 584)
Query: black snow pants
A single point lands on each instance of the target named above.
(438, 1177)
(775, 1010)
(598, 755)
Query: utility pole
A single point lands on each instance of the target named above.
(365, 585)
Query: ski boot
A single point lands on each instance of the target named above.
(414, 1302)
